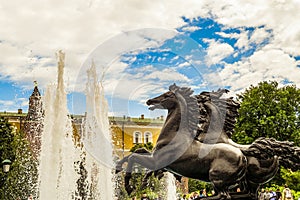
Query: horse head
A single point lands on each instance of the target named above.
(167, 100)
(181, 105)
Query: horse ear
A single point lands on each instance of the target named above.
(173, 87)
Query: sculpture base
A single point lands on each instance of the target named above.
(234, 196)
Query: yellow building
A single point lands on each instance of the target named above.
(126, 132)
(16, 119)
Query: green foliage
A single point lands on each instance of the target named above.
(21, 180)
(269, 111)
(153, 189)
(148, 146)
(291, 178)
(6, 138)
(197, 185)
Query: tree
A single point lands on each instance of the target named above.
(197, 185)
(268, 110)
(6, 139)
(6, 151)
(21, 180)
(24, 170)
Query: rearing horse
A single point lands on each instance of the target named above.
(177, 150)
(194, 142)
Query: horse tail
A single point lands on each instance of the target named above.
(266, 148)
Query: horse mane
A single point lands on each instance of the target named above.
(192, 107)
(228, 108)
(199, 114)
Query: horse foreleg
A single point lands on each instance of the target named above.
(129, 188)
(125, 159)
(145, 178)
(149, 161)
(159, 173)
(120, 163)
(153, 162)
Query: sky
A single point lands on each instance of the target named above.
(139, 48)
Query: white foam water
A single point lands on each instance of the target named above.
(171, 187)
(97, 139)
(57, 177)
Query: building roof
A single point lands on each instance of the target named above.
(12, 114)
(36, 91)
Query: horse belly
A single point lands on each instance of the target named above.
(191, 169)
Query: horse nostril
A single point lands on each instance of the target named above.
(149, 102)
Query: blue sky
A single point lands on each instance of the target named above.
(144, 46)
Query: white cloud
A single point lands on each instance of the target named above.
(266, 64)
(40, 28)
(167, 74)
(280, 16)
(228, 35)
(217, 51)
(191, 28)
(6, 103)
(243, 41)
(13, 105)
(184, 64)
(259, 35)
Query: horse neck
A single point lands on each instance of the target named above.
(178, 116)
(217, 120)
(171, 127)
(176, 122)
(172, 122)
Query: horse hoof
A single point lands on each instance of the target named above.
(118, 169)
(144, 185)
(129, 189)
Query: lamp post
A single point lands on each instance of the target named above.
(6, 167)
(123, 136)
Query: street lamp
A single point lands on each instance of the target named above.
(123, 136)
(136, 169)
(6, 165)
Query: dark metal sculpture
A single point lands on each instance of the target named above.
(195, 142)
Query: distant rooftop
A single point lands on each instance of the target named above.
(127, 119)
(12, 114)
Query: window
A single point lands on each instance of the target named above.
(147, 137)
(137, 137)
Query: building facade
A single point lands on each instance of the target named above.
(126, 132)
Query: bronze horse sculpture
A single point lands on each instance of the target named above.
(195, 142)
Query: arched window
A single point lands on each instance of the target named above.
(147, 137)
(137, 137)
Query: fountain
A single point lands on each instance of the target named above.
(97, 138)
(171, 187)
(56, 175)
(60, 157)
(70, 169)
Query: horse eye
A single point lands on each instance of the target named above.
(169, 94)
